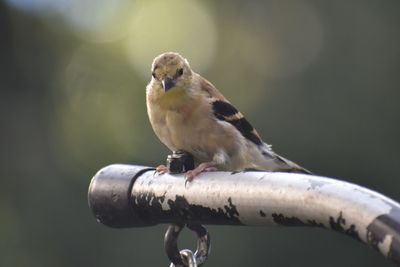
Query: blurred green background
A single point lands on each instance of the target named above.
(318, 79)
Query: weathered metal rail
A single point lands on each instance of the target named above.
(134, 196)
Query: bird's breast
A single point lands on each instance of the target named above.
(193, 128)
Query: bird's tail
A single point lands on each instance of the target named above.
(280, 164)
(269, 160)
(290, 166)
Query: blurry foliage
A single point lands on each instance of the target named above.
(318, 79)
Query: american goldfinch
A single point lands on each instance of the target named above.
(188, 113)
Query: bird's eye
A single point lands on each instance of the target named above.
(179, 72)
(153, 74)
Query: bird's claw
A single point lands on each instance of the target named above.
(203, 167)
(189, 176)
(161, 169)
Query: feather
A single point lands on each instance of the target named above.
(223, 110)
(226, 112)
(193, 116)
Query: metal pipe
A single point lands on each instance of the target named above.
(134, 196)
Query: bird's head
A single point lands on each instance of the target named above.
(171, 72)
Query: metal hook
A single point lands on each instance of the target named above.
(188, 258)
(183, 258)
(203, 242)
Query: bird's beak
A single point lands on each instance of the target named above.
(167, 83)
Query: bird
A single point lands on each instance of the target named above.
(188, 113)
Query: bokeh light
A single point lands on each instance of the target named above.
(158, 26)
(91, 20)
(41, 7)
(292, 37)
(101, 92)
(98, 20)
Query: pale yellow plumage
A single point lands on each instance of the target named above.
(188, 113)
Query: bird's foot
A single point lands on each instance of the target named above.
(203, 167)
(161, 169)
